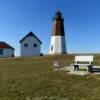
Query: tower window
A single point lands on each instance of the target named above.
(51, 48)
(1, 51)
(25, 45)
(35, 45)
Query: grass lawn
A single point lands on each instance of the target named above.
(35, 79)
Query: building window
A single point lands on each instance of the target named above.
(25, 45)
(51, 48)
(35, 45)
(1, 51)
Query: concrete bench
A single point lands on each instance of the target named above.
(83, 60)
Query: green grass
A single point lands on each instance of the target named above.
(35, 79)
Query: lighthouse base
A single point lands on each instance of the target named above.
(58, 45)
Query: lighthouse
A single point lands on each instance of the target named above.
(58, 42)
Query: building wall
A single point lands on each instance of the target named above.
(7, 53)
(58, 45)
(30, 50)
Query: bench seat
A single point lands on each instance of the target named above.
(81, 64)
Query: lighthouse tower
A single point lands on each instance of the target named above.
(58, 43)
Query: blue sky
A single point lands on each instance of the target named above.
(82, 23)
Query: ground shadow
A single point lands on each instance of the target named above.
(96, 70)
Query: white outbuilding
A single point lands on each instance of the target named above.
(6, 50)
(30, 45)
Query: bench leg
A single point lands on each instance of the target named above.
(76, 67)
(90, 68)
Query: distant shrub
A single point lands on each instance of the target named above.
(13, 55)
(41, 54)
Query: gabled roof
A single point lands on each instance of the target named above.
(30, 34)
(4, 45)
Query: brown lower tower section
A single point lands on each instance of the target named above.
(58, 25)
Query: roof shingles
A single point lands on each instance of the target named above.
(5, 45)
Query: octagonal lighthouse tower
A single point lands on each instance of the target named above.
(58, 43)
